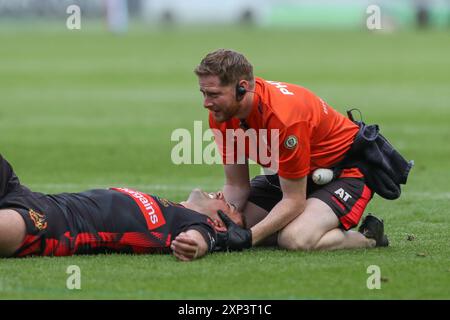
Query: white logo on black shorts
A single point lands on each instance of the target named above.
(342, 194)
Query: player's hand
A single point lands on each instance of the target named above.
(185, 247)
(235, 238)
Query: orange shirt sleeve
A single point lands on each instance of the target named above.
(294, 151)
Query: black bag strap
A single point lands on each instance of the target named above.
(352, 118)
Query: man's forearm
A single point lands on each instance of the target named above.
(284, 212)
(236, 195)
(202, 246)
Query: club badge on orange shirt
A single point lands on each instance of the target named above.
(291, 142)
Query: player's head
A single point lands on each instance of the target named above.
(224, 78)
(210, 203)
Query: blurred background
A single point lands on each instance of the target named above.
(293, 13)
(91, 90)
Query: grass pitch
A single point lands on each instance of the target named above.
(85, 109)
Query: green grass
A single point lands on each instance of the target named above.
(86, 109)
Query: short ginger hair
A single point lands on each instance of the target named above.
(230, 66)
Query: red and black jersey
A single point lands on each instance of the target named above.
(97, 221)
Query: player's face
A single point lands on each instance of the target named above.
(219, 100)
(212, 202)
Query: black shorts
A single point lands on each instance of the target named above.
(347, 197)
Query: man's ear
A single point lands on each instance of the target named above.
(219, 226)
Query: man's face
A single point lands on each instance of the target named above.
(210, 203)
(220, 100)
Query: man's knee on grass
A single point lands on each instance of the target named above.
(305, 231)
(290, 240)
(12, 232)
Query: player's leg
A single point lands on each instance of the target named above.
(338, 204)
(12, 232)
(265, 193)
(8, 179)
(305, 231)
(332, 240)
(340, 239)
(9, 182)
(318, 228)
(254, 214)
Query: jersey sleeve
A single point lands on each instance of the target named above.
(201, 223)
(209, 235)
(294, 151)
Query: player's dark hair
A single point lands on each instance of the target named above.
(230, 66)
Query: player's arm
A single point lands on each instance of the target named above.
(291, 206)
(12, 232)
(189, 245)
(294, 161)
(237, 184)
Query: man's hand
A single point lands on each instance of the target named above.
(189, 245)
(235, 238)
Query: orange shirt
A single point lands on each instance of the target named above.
(311, 134)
